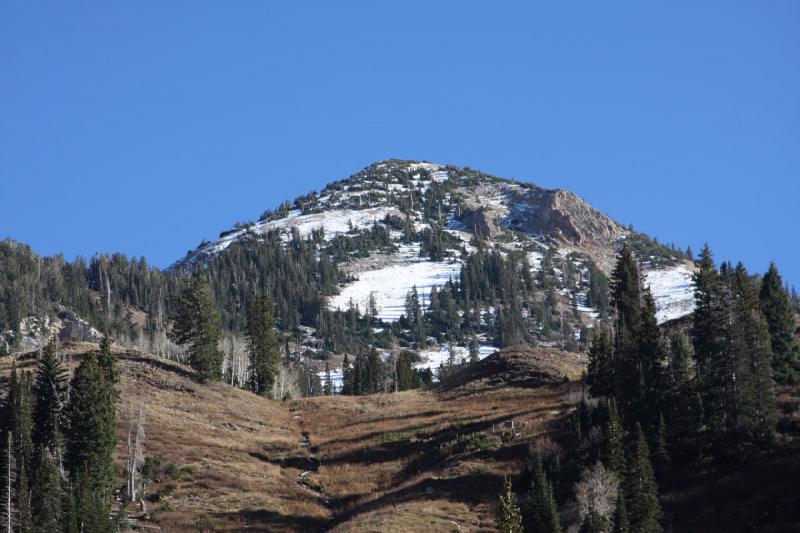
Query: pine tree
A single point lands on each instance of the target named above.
(621, 522)
(327, 388)
(651, 359)
(750, 345)
(509, 518)
(347, 376)
(600, 375)
(707, 319)
(262, 345)
(474, 350)
(49, 390)
(106, 359)
(404, 372)
(541, 513)
(47, 495)
(781, 321)
(641, 488)
(611, 452)
(91, 439)
(661, 458)
(197, 324)
(626, 297)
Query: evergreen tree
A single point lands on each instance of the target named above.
(50, 391)
(92, 437)
(641, 488)
(347, 376)
(611, 452)
(661, 458)
(262, 345)
(707, 320)
(106, 359)
(327, 388)
(626, 295)
(47, 495)
(509, 518)
(541, 513)
(474, 350)
(404, 373)
(197, 324)
(621, 522)
(781, 321)
(600, 375)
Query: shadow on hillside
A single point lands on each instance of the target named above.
(161, 364)
(264, 520)
(470, 489)
(427, 447)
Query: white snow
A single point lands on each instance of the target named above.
(334, 223)
(673, 292)
(392, 283)
(435, 358)
(337, 379)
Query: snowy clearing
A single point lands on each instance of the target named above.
(673, 292)
(392, 283)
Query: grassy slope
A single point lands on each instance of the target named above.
(410, 461)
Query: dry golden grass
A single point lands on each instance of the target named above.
(411, 461)
(425, 461)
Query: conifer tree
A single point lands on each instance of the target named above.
(600, 375)
(641, 488)
(781, 321)
(474, 350)
(327, 388)
(626, 298)
(661, 457)
(91, 439)
(262, 345)
(49, 390)
(509, 518)
(47, 494)
(611, 452)
(404, 372)
(347, 376)
(106, 359)
(541, 513)
(621, 522)
(197, 324)
(707, 319)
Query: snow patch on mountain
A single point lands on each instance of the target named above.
(391, 283)
(335, 222)
(673, 292)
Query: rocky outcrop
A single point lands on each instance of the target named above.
(62, 325)
(565, 217)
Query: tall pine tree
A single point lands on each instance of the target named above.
(197, 324)
(781, 321)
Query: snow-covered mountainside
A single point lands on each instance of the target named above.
(435, 215)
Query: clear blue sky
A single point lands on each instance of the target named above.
(144, 127)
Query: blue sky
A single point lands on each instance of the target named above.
(144, 127)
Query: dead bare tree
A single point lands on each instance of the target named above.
(8, 505)
(135, 457)
(596, 495)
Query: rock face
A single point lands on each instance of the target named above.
(65, 326)
(565, 217)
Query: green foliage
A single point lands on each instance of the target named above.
(91, 439)
(262, 344)
(641, 488)
(50, 393)
(541, 513)
(780, 318)
(197, 324)
(509, 518)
